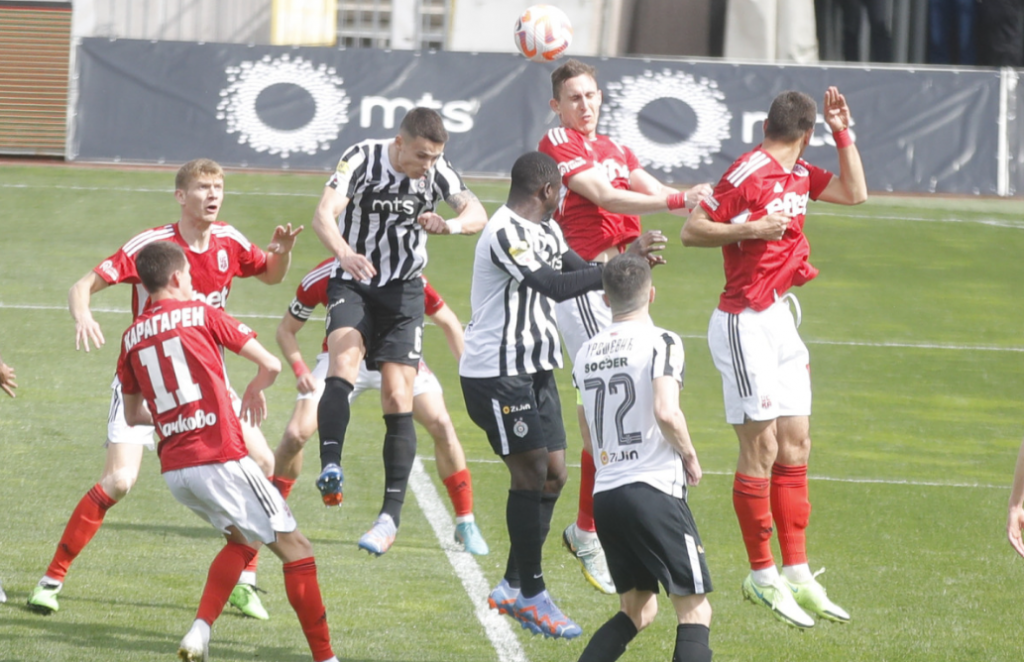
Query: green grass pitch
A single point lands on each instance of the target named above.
(914, 328)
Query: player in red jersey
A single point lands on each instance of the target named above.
(172, 373)
(756, 214)
(217, 253)
(428, 408)
(604, 190)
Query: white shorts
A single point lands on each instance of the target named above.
(580, 319)
(233, 494)
(425, 382)
(765, 367)
(118, 431)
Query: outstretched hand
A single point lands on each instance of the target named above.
(283, 239)
(837, 113)
(254, 407)
(1014, 522)
(7, 378)
(648, 244)
(87, 330)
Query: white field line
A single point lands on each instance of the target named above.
(1017, 225)
(497, 627)
(844, 343)
(829, 479)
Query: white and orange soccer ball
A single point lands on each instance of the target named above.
(543, 33)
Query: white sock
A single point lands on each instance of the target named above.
(203, 627)
(766, 576)
(798, 574)
(48, 582)
(247, 577)
(465, 518)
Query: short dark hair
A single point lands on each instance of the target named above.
(156, 262)
(571, 69)
(627, 282)
(195, 169)
(533, 170)
(424, 123)
(791, 115)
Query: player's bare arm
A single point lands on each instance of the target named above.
(254, 402)
(1015, 518)
(7, 378)
(642, 181)
(135, 410)
(672, 424)
(325, 225)
(699, 231)
(471, 217)
(450, 325)
(287, 340)
(87, 329)
(850, 187)
(594, 186)
(279, 254)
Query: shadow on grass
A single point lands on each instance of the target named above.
(204, 532)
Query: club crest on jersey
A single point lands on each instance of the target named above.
(604, 458)
(222, 260)
(421, 184)
(799, 170)
(520, 428)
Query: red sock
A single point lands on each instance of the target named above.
(750, 500)
(221, 579)
(85, 521)
(283, 485)
(585, 511)
(460, 491)
(304, 595)
(253, 562)
(792, 510)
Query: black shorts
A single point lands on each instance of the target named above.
(519, 414)
(389, 317)
(650, 538)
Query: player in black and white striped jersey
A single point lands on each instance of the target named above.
(522, 266)
(374, 215)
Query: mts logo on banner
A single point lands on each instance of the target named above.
(458, 115)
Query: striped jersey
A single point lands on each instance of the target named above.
(589, 229)
(512, 330)
(229, 254)
(753, 187)
(614, 373)
(312, 292)
(380, 219)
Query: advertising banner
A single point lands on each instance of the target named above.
(298, 108)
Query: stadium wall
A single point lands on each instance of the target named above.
(918, 130)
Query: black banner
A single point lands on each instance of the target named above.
(280, 107)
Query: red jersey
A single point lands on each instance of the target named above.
(588, 229)
(229, 254)
(312, 292)
(171, 354)
(753, 187)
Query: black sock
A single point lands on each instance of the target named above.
(610, 640)
(522, 515)
(512, 570)
(692, 643)
(399, 454)
(332, 416)
(547, 511)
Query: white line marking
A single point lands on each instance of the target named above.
(690, 336)
(829, 479)
(497, 627)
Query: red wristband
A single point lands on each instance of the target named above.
(842, 138)
(676, 201)
(300, 368)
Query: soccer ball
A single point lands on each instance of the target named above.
(543, 33)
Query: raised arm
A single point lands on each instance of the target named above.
(452, 328)
(279, 254)
(643, 182)
(79, 298)
(850, 187)
(1015, 518)
(254, 403)
(672, 424)
(287, 331)
(325, 225)
(594, 186)
(701, 232)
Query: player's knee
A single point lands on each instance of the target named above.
(264, 460)
(119, 483)
(294, 440)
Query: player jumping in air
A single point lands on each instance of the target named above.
(756, 215)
